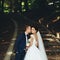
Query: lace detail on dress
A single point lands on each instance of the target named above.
(34, 41)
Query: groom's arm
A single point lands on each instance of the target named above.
(17, 43)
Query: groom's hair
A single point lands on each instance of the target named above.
(26, 26)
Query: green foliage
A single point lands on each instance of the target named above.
(19, 5)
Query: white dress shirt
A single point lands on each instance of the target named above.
(26, 38)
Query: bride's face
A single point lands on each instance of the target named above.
(33, 30)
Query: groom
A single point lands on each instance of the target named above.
(20, 45)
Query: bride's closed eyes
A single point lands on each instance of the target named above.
(33, 30)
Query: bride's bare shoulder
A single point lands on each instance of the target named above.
(31, 36)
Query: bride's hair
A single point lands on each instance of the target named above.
(36, 27)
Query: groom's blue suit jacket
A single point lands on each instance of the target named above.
(20, 43)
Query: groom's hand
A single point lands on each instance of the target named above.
(27, 47)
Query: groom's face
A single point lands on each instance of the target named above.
(29, 29)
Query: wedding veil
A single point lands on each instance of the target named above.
(41, 47)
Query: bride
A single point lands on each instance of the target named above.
(36, 49)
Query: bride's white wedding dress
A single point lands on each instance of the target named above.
(33, 52)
